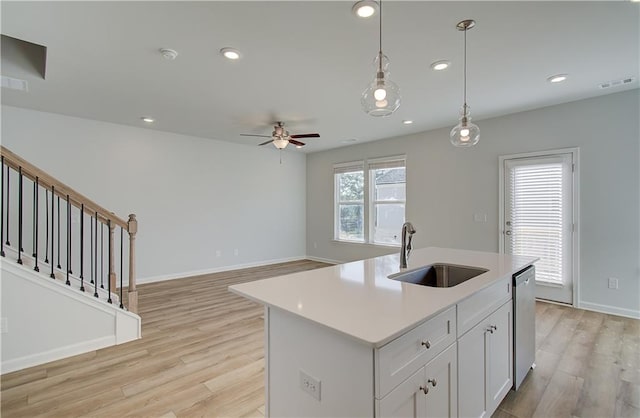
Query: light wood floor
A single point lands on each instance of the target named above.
(202, 355)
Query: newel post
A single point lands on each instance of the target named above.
(112, 264)
(133, 292)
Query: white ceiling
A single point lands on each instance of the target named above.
(307, 62)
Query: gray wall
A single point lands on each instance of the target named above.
(192, 196)
(446, 186)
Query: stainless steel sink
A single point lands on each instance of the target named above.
(438, 275)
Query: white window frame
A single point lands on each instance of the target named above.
(348, 167)
(367, 166)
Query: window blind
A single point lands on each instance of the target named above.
(537, 217)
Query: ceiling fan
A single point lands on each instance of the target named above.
(281, 138)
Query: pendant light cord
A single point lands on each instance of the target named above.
(380, 32)
(465, 67)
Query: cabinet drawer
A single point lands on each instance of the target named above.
(475, 308)
(401, 358)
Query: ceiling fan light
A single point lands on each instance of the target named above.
(280, 143)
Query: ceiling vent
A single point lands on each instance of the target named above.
(616, 83)
(14, 83)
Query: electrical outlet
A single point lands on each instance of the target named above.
(310, 385)
(218, 253)
(236, 252)
(4, 325)
(613, 283)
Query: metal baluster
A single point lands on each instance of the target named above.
(101, 255)
(82, 247)
(69, 237)
(109, 275)
(68, 283)
(8, 204)
(2, 207)
(46, 230)
(91, 228)
(53, 193)
(20, 249)
(121, 263)
(59, 233)
(35, 208)
(95, 249)
(35, 221)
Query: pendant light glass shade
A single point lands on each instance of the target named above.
(382, 96)
(465, 133)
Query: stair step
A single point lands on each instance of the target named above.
(60, 275)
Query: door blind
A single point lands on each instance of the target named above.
(537, 217)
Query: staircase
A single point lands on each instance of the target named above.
(63, 259)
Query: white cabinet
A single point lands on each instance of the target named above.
(399, 359)
(430, 392)
(485, 361)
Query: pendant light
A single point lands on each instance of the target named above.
(382, 96)
(465, 133)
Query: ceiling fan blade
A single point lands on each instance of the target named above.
(261, 136)
(296, 143)
(306, 136)
(266, 142)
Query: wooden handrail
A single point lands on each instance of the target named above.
(90, 207)
(45, 180)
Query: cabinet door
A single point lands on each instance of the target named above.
(442, 380)
(471, 371)
(499, 356)
(405, 401)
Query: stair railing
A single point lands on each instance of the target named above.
(99, 247)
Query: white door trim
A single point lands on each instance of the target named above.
(575, 153)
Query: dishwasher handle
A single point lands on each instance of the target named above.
(523, 276)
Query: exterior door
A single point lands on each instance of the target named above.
(538, 219)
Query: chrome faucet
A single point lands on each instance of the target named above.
(407, 228)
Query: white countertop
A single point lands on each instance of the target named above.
(358, 299)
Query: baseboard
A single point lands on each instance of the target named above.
(629, 313)
(182, 275)
(323, 260)
(56, 354)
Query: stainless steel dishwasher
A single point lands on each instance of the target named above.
(524, 324)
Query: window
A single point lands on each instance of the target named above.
(370, 199)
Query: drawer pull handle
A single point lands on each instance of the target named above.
(427, 344)
(433, 382)
(489, 329)
(492, 328)
(424, 389)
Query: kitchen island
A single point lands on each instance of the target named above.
(348, 341)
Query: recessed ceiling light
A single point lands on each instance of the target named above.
(440, 65)
(298, 146)
(147, 119)
(365, 8)
(230, 53)
(558, 78)
(407, 122)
